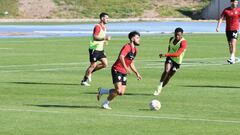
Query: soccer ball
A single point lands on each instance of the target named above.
(155, 105)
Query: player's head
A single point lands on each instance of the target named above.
(134, 37)
(234, 3)
(178, 33)
(104, 17)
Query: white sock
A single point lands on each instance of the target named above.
(232, 57)
(106, 102)
(104, 91)
(161, 84)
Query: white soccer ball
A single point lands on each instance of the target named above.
(155, 105)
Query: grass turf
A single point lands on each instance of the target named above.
(40, 91)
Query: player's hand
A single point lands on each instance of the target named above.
(108, 38)
(161, 55)
(139, 77)
(217, 29)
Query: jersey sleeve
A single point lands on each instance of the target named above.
(238, 12)
(183, 46)
(223, 13)
(96, 30)
(125, 50)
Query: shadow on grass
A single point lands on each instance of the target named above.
(211, 86)
(147, 110)
(43, 83)
(127, 94)
(66, 106)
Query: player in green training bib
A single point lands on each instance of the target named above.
(96, 49)
(174, 57)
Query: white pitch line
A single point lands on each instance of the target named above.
(82, 63)
(5, 48)
(51, 64)
(83, 68)
(23, 110)
(172, 118)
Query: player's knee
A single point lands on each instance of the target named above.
(113, 92)
(167, 71)
(93, 66)
(119, 93)
(105, 65)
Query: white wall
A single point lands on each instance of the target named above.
(214, 9)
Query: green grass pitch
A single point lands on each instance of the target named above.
(40, 92)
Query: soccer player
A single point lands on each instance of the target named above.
(231, 14)
(121, 68)
(96, 51)
(174, 57)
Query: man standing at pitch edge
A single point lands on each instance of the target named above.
(232, 15)
(96, 51)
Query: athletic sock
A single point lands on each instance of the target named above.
(106, 102)
(104, 91)
(232, 57)
(161, 84)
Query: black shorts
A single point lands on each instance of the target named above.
(95, 56)
(175, 66)
(231, 35)
(119, 77)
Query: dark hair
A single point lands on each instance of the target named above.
(103, 14)
(178, 30)
(233, 0)
(132, 34)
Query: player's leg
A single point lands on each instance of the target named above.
(87, 73)
(112, 94)
(165, 74)
(120, 82)
(170, 75)
(232, 50)
(232, 43)
(103, 64)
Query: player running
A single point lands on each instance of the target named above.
(121, 68)
(174, 57)
(96, 51)
(231, 14)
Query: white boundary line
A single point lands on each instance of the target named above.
(171, 118)
(23, 110)
(128, 116)
(86, 62)
(5, 48)
(79, 67)
(84, 68)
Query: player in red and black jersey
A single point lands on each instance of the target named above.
(121, 68)
(232, 15)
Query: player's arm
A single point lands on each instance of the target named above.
(133, 68)
(220, 21)
(121, 57)
(182, 48)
